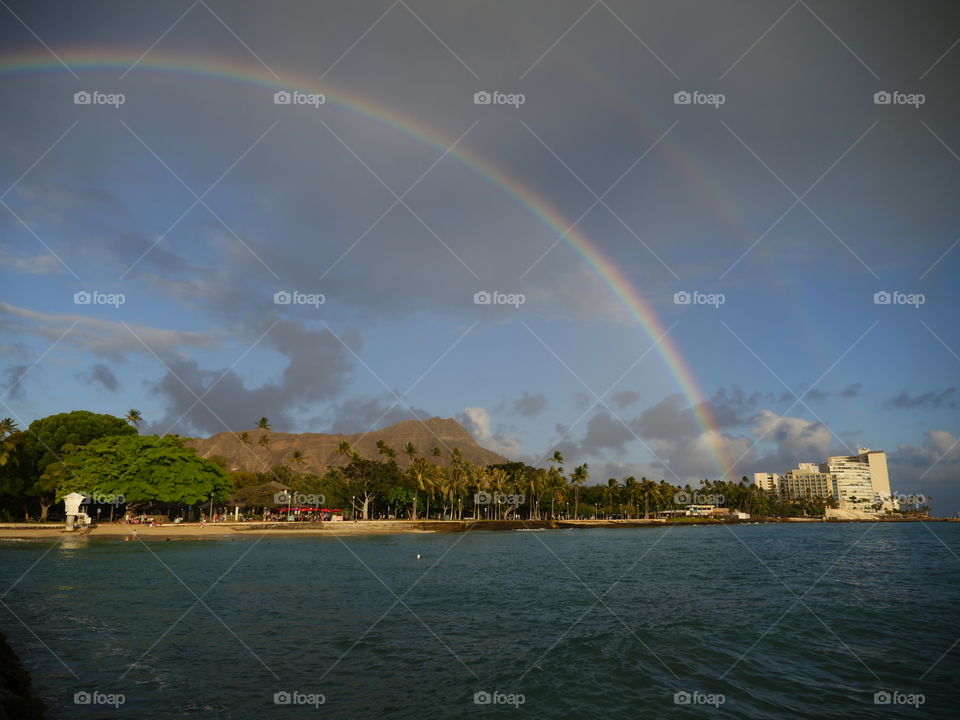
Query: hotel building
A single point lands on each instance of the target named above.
(809, 481)
(767, 481)
(855, 482)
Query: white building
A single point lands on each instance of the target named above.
(767, 481)
(862, 480)
(856, 482)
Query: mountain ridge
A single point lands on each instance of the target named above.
(320, 450)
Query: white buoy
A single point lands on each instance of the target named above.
(418, 556)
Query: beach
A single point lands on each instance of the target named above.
(195, 531)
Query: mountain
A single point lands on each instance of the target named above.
(320, 449)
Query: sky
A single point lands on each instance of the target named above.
(676, 240)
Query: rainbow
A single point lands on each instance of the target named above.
(529, 198)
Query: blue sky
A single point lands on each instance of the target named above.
(103, 198)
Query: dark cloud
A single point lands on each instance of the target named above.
(931, 469)
(529, 405)
(317, 365)
(624, 399)
(605, 432)
(364, 413)
(102, 375)
(816, 395)
(13, 378)
(669, 419)
(932, 399)
(733, 407)
(851, 391)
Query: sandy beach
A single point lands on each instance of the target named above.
(347, 527)
(369, 527)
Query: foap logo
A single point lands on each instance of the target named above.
(499, 298)
(883, 297)
(294, 297)
(695, 97)
(900, 498)
(95, 697)
(95, 97)
(284, 97)
(895, 97)
(684, 297)
(685, 498)
(95, 297)
(107, 498)
(298, 499)
(483, 97)
(684, 697)
(295, 697)
(895, 697)
(485, 498)
(483, 697)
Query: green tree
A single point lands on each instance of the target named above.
(580, 475)
(47, 437)
(133, 417)
(142, 469)
(8, 428)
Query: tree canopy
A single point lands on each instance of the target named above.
(143, 468)
(47, 436)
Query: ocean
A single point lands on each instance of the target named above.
(749, 621)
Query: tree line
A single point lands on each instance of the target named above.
(106, 457)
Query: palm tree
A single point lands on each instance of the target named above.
(264, 442)
(8, 427)
(611, 493)
(630, 491)
(263, 424)
(417, 473)
(556, 486)
(298, 458)
(134, 417)
(345, 450)
(580, 475)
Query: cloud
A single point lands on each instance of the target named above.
(317, 366)
(851, 391)
(13, 378)
(624, 399)
(364, 413)
(32, 264)
(932, 399)
(669, 419)
(478, 423)
(605, 432)
(529, 405)
(104, 338)
(797, 439)
(102, 375)
(931, 469)
(733, 407)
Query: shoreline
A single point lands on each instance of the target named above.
(211, 531)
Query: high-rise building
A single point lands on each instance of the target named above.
(862, 479)
(767, 481)
(855, 482)
(808, 481)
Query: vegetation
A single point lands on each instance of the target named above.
(142, 468)
(105, 455)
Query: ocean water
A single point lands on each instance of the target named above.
(754, 621)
